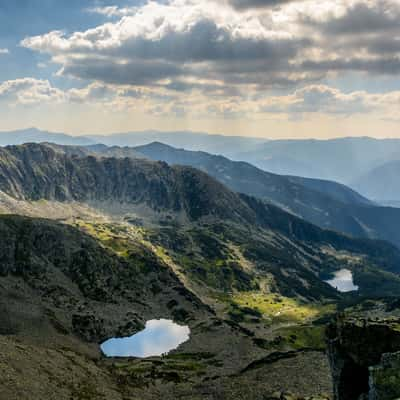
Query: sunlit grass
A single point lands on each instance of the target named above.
(111, 236)
(278, 308)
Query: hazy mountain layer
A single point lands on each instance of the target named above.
(37, 136)
(220, 144)
(341, 160)
(381, 183)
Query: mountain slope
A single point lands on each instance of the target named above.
(381, 183)
(221, 168)
(185, 198)
(34, 172)
(63, 293)
(334, 190)
(76, 278)
(327, 204)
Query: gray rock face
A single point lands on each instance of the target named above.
(55, 277)
(35, 172)
(364, 352)
(88, 326)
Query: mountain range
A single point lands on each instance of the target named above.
(343, 159)
(128, 239)
(381, 183)
(182, 196)
(318, 159)
(191, 140)
(325, 203)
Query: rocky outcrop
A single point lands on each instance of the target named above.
(89, 327)
(364, 352)
(35, 172)
(55, 277)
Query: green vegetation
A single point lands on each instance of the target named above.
(176, 368)
(300, 337)
(386, 380)
(113, 236)
(277, 308)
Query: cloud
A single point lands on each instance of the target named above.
(229, 58)
(112, 11)
(323, 99)
(365, 18)
(217, 102)
(163, 41)
(246, 4)
(364, 36)
(30, 91)
(95, 92)
(136, 72)
(4, 51)
(299, 42)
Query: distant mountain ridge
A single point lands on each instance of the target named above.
(188, 139)
(341, 159)
(37, 136)
(381, 183)
(208, 162)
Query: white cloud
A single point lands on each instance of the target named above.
(209, 39)
(30, 91)
(327, 100)
(203, 57)
(4, 51)
(303, 103)
(112, 11)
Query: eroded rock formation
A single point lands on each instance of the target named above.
(364, 352)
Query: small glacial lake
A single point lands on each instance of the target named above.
(159, 337)
(343, 281)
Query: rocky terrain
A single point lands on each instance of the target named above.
(328, 204)
(364, 350)
(325, 203)
(63, 293)
(137, 240)
(201, 211)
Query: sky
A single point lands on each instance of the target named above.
(266, 68)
